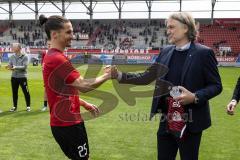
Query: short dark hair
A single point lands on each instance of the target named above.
(52, 23)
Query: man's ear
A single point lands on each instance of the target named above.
(185, 28)
(54, 34)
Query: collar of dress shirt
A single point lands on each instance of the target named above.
(184, 47)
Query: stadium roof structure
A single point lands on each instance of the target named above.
(120, 9)
(33, 1)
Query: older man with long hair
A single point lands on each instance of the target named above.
(194, 77)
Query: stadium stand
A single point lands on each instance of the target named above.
(224, 38)
(105, 34)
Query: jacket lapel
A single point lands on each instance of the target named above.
(169, 56)
(166, 59)
(188, 61)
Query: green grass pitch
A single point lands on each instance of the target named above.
(124, 133)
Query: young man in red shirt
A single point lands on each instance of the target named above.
(63, 83)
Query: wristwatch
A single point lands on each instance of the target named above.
(196, 99)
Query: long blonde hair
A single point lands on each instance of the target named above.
(186, 19)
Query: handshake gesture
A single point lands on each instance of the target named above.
(111, 72)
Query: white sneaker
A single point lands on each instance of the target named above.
(1, 111)
(13, 109)
(44, 109)
(28, 109)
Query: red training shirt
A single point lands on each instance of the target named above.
(43, 55)
(63, 99)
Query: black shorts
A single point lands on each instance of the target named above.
(73, 141)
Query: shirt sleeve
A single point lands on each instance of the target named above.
(66, 71)
(72, 76)
(10, 61)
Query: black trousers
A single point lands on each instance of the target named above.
(15, 85)
(168, 145)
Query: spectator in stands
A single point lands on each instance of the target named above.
(235, 99)
(162, 41)
(146, 40)
(18, 65)
(193, 68)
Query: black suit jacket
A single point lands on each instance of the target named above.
(236, 93)
(200, 75)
